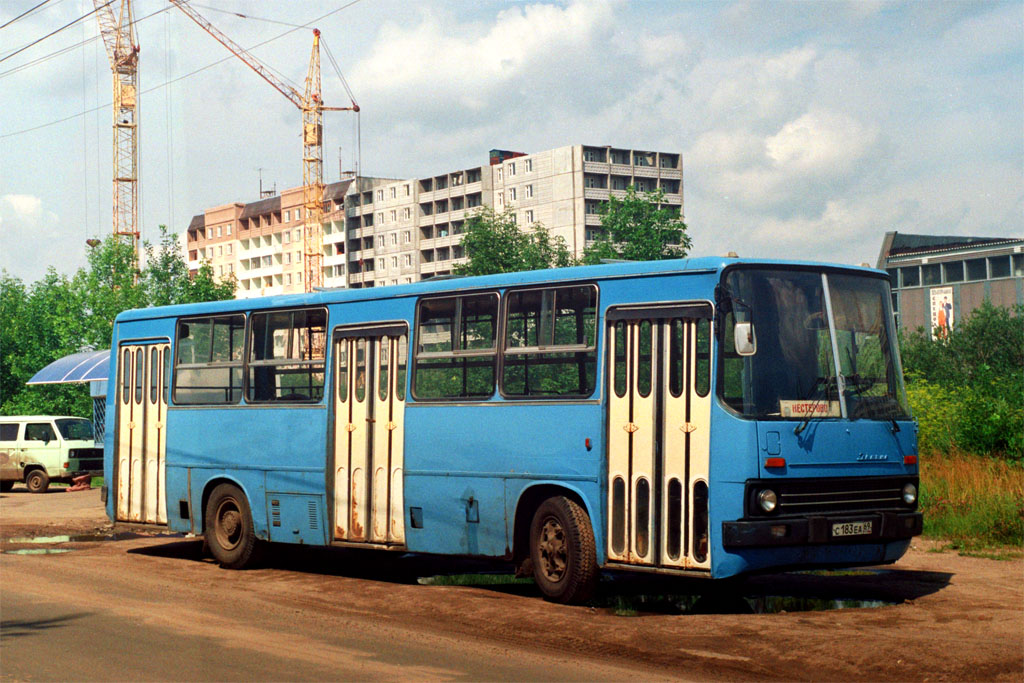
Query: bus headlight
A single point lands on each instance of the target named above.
(768, 500)
(909, 494)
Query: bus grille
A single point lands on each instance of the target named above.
(833, 495)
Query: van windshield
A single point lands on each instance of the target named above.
(75, 429)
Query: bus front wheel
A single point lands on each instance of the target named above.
(228, 527)
(562, 550)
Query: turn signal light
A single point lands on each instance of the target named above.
(775, 462)
(909, 459)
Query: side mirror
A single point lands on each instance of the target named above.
(744, 339)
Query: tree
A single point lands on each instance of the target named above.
(638, 228)
(57, 316)
(494, 243)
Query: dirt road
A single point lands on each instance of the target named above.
(154, 608)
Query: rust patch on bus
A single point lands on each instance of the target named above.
(357, 529)
(339, 532)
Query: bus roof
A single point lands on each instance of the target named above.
(705, 264)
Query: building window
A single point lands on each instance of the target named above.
(1018, 265)
(298, 234)
(229, 250)
(288, 279)
(953, 271)
(394, 261)
(287, 238)
(515, 219)
(380, 241)
(407, 260)
(529, 191)
(910, 276)
(393, 237)
(931, 274)
(500, 173)
(999, 266)
(501, 199)
(220, 251)
(407, 189)
(406, 236)
(512, 194)
(380, 217)
(976, 269)
(380, 195)
(380, 264)
(529, 216)
(287, 216)
(511, 169)
(394, 191)
(288, 257)
(529, 165)
(394, 215)
(227, 229)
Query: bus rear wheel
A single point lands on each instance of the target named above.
(562, 551)
(37, 481)
(228, 527)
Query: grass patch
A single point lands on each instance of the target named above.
(472, 580)
(974, 503)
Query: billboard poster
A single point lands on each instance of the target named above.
(941, 311)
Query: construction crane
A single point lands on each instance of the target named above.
(119, 36)
(312, 107)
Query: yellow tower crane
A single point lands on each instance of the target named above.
(312, 107)
(119, 36)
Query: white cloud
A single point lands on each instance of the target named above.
(823, 142)
(23, 205)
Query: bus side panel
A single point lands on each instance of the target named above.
(243, 443)
(733, 461)
(496, 444)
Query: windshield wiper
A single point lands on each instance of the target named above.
(826, 382)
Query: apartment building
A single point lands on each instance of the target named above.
(380, 231)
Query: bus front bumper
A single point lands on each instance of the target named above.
(879, 527)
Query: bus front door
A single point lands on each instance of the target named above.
(658, 429)
(143, 375)
(369, 417)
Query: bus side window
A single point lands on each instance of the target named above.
(456, 347)
(208, 360)
(286, 362)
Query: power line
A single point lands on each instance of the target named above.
(175, 80)
(53, 33)
(25, 13)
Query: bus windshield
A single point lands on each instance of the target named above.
(75, 430)
(825, 346)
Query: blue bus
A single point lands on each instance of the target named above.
(706, 417)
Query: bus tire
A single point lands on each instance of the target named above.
(228, 527)
(37, 481)
(6, 485)
(562, 550)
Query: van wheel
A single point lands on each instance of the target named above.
(37, 481)
(562, 550)
(6, 485)
(228, 527)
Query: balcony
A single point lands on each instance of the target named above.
(595, 167)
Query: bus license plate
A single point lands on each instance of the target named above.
(851, 529)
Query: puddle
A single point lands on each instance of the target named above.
(613, 600)
(90, 538)
(37, 551)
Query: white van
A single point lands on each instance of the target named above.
(38, 449)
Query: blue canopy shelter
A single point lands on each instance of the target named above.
(86, 366)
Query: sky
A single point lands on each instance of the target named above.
(808, 129)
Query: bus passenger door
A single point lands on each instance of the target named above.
(658, 429)
(143, 373)
(369, 411)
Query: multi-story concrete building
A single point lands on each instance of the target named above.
(381, 232)
(937, 280)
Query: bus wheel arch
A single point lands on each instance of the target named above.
(228, 528)
(545, 508)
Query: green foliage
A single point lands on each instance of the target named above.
(967, 389)
(495, 244)
(57, 316)
(639, 228)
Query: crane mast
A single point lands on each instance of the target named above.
(312, 107)
(123, 51)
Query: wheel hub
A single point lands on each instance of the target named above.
(552, 550)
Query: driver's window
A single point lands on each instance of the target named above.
(39, 432)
